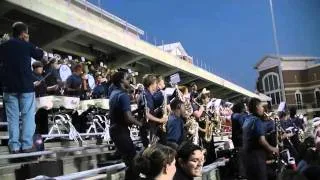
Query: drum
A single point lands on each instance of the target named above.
(45, 102)
(66, 102)
(102, 103)
(91, 81)
(85, 105)
(64, 72)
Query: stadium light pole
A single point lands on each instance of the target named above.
(276, 44)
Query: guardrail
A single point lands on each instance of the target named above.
(208, 172)
(85, 174)
(53, 152)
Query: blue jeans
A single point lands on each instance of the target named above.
(16, 103)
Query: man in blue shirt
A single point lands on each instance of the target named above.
(175, 133)
(74, 82)
(151, 127)
(255, 145)
(121, 118)
(18, 86)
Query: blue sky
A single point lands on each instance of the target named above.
(229, 35)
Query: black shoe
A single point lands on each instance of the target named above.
(14, 152)
(30, 158)
(29, 150)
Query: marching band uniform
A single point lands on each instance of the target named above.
(175, 129)
(148, 126)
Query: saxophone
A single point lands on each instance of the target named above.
(209, 130)
(165, 112)
(192, 127)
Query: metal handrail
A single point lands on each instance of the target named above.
(92, 172)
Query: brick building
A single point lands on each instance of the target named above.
(295, 80)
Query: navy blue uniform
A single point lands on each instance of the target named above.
(119, 104)
(175, 129)
(74, 82)
(237, 122)
(41, 89)
(255, 157)
(158, 99)
(16, 71)
(149, 128)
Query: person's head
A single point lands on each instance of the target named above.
(149, 81)
(293, 112)
(256, 107)
(204, 99)
(156, 161)
(193, 86)
(160, 82)
(78, 69)
(282, 115)
(178, 107)
(99, 78)
(239, 108)
(184, 90)
(37, 67)
(20, 30)
(190, 159)
(120, 79)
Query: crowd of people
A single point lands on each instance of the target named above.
(177, 129)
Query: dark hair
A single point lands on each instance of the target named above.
(153, 159)
(37, 64)
(77, 67)
(293, 112)
(253, 103)
(148, 79)
(186, 150)
(159, 78)
(192, 84)
(183, 89)
(282, 114)
(18, 28)
(117, 78)
(238, 108)
(176, 104)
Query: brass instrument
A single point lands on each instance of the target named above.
(165, 112)
(209, 129)
(192, 127)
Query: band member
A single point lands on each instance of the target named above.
(151, 127)
(74, 82)
(199, 113)
(175, 129)
(254, 143)
(120, 119)
(194, 91)
(19, 96)
(237, 118)
(298, 122)
(290, 138)
(101, 88)
(41, 89)
(190, 160)
(52, 70)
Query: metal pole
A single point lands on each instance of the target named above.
(275, 39)
(99, 2)
(162, 45)
(274, 28)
